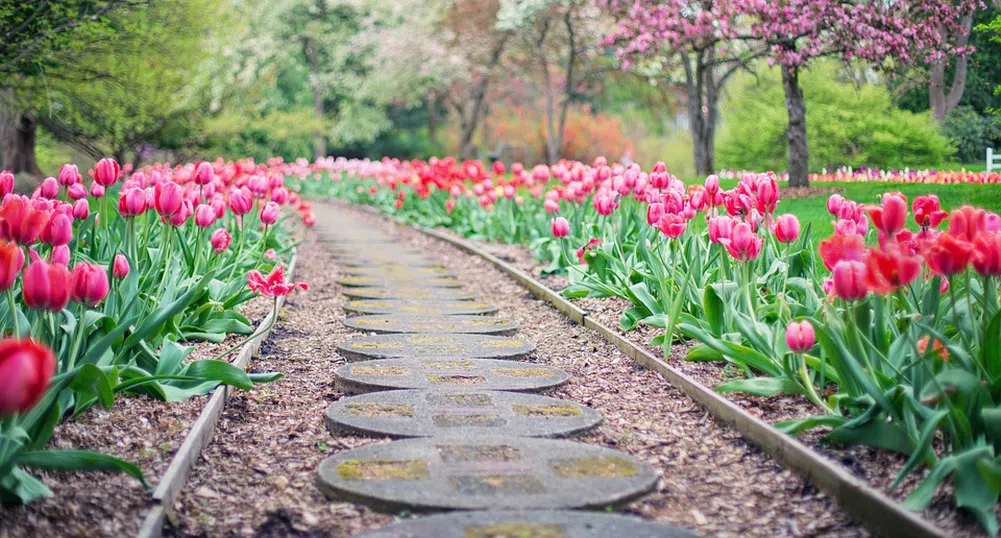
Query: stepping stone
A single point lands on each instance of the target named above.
(409, 292)
(528, 524)
(435, 346)
(431, 308)
(397, 281)
(452, 473)
(355, 241)
(438, 413)
(405, 263)
(410, 323)
(476, 374)
(392, 271)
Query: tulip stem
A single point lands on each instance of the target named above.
(13, 313)
(238, 345)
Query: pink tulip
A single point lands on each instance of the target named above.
(59, 230)
(654, 212)
(76, 191)
(270, 254)
(132, 202)
(6, 183)
(220, 240)
(88, 284)
(800, 336)
(720, 228)
(44, 286)
(204, 216)
(96, 190)
(712, 184)
(81, 209)
(743, 243)
(121, 268)
(241, 201)
(106, 172)
(269, 213)
(203, 173)
(179, 218)
(168, 198)
(560, 227)
(672, 225)
(49, 188)
(69, 175)
(834, 204)
(786, 228)
(60, 256)
(849, 280)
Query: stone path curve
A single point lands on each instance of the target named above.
(470, 448)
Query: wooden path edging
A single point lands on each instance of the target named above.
(874, 510)
(173, 479)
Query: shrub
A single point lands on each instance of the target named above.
(971, 133)
(847, 125)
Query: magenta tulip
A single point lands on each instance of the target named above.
(88, 284)
(560, 227)
(800, 336)
(121, 268)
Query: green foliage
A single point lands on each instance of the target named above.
(235, 135)
(971, 133)
(847, 125)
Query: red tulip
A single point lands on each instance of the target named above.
(786, 228)
(106, 172)
(88, 284)
(890, 269)
(11, 262)
(269, 213)
(841, 247)
(948, 255)
(927, 211)
(499, 167)
(45, 286)
(6, 183)
(849, 280)
(21, 221)
(672, 225)
(26, 367)
(273, 285)
(59, 230)
(987, 254)
(743, 243)
(220, 240)
(560, 227)
(800, 336)
(891, 216)
(121, 268)
(69, 174)
(967, 222)
(204, 215)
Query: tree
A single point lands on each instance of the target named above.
(872, 31)
(702, 38)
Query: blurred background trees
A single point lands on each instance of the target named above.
(688, 82)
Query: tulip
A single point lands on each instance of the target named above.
(204, 216)
(179, 218)
(269, 213)
(927, 211)
(800, 336)
(270, 254)
(280, 195)
(936, 348)
(121, 268)
(768, 195)
(88, 284)
(45, 286)
(889, 270)
(6, 183)
(841, 247)
(26, 367)
(786, 228)
(49, 188)
(59, 230)
(967, 222)
(849, 280)
(76, 191)
(132, 202)
(891, 216)
(69, 175)
(21, 221)
(106, 172)
(60, 256)
(203, 173)
(987, 254)
(672, 225)
(167, 198)
(220, 240)
(712, 184)
(947, 255)
(654, 212)
(274, 285)
(11, 262)
(499, 167)
(720, 228)
(96, 190)
(240, 201)
(81, 209)
(743, 243)
(560, 227)
(551, 206)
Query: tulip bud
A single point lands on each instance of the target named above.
(800, 336)
(59, 230)
(240, 201)
(96, 190)
(270, 254)
(786, 228)
(560, 227)
(60, 256)
(11, 262)
(69, 174)
(834, 204)
(121, 268)
(220, 240)
(269, 214)
(45, 286)
(88, 284)
(849, 280)
(81, 209)
(204, 216)
(6, 183)
(654, 212)
(106, 172)
(203, 173)
(49, 188)
(26, 367)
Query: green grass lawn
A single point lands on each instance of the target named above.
(813, 210)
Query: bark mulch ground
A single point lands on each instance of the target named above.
(256, 478)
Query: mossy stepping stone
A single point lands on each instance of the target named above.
(477, 473)
(415, 323)
(473, 374)
(398, 262)
(409, 292)
(436, 413)
(394, 271)
(419, 307)
(528, 524)
(397, 281)
(435, 346)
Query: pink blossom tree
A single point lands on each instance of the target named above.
(701, 38)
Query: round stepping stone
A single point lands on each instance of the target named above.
(435, 346)
(398, 281)
(438, 413)
(393, 271)
(458, 473)
(408, 263)
(409, 292)
(423, 307)
(528, 524)
(476, 374)
(410, 323)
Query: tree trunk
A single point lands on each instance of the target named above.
(431, 102)
(471, 120)
(17, 141)
(319, 138)
(796, 130)
(940, 102)
(702, 101)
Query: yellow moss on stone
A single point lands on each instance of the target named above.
(383, 470)
(547, 410)
(516, 530)
(594, 466)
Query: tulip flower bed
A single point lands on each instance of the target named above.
(941, 177)
(889, 329)
(110, 282)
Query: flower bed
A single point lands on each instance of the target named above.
(106, 297)
(888, 332)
